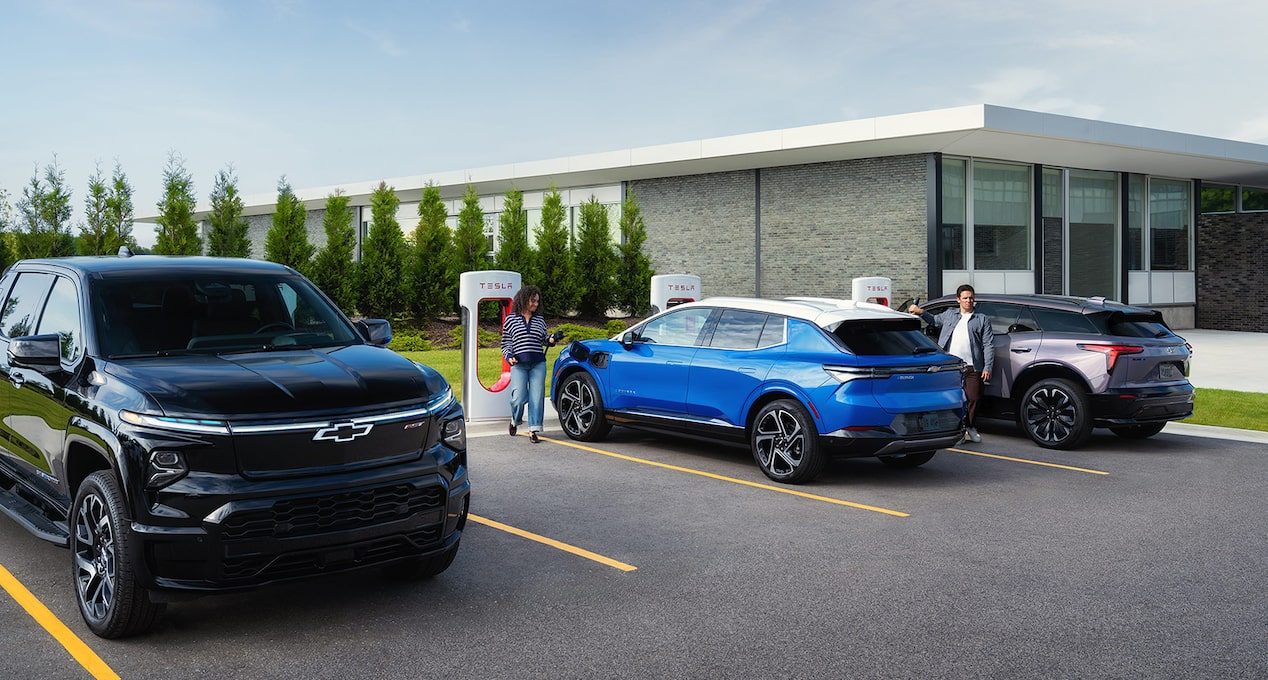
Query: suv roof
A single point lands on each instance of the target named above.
(1083, 305)
(822, 312)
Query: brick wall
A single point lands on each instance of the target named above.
(822, 225)
(1232, 258)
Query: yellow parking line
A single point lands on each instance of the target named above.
(85, 656)
(1031, 462)
(553, 543)
(733, 480)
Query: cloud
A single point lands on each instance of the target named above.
(1035, 89)
(381, 41)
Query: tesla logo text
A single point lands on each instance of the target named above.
(486, 285)
(343, 432)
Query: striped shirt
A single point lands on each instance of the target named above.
(523, 340)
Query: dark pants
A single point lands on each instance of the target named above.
(972, 392)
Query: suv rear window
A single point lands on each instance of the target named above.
(884, 337)
(1057, 321)
(1137, 326)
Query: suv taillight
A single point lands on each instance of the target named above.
(1112, 352)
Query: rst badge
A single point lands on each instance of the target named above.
(343, 432)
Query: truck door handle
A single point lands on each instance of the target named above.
(17, 379)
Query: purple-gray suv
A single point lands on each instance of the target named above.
(1064, 365)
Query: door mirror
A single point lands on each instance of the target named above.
(41, 352)
(375, 331)
(628, 338)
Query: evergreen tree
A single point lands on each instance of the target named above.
(334, 270)
(287, 240)
(596, 258)
(433, 282)
(119, 213)
(383, 258)
(6, 223)
(177, 232)
(228, 235)
(634, 274)
(513, 253)
(94, 231)
(470, 243)
(553, 261)
(45, 209)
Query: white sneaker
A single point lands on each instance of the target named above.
(972, 435)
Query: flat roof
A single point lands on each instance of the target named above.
(980, 130)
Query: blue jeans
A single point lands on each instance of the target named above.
(528, 386)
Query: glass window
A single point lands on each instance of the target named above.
(773, 332)
(681, 327)
(1057, 321)
(1254, 199)
(22, 310)
(1169, 217)
(738, 329)
(1001, 315)
(884, 337)
(1001, 216)
(61, 316)
(1053, 193)
(1135, 222)
(1218, 198)
(954, 217)
(1093, 233)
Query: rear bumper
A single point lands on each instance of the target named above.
(1147, 405)
(858, 444)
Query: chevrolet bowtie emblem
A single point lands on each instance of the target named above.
(343, 432)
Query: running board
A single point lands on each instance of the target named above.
(31, 519)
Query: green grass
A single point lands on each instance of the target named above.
(1221, 408)
(1226, 408)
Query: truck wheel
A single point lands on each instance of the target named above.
(785, 443)
(581, 408)
(113, 603)
(1054, 413)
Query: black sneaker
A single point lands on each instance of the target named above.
(511, 429)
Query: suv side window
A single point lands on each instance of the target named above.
(1057, 321)
(682, 327)
(61, 316)
(738, 329)
(21, 310)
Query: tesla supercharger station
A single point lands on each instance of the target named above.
(478, 400)
(878, 289)
(674, 289)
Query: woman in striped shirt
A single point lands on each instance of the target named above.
(523, 339)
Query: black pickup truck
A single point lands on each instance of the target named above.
(187, 425)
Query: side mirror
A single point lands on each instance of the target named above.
(627, 339)
(375, 331)
(40, 352)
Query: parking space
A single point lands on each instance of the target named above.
(999, 559)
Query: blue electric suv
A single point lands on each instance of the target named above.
(799, 381)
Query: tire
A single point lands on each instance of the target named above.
(907, 461)
(419, 568)
(785, 443)
(1054, 412)
(112, 601)
(581, 409)
(1142, 431)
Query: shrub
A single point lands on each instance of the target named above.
(614, 326)
(574, 331)
(409, 342)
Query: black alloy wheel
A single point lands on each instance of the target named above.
(112, 601)
(1054, 412)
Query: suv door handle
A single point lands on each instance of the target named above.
(1020, 350)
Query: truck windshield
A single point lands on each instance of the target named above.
(221, 312)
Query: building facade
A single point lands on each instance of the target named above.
(1007, 200)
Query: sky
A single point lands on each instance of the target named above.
(325, 93)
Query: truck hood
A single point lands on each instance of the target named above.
(278, 382)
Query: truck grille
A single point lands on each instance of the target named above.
(294, 517)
